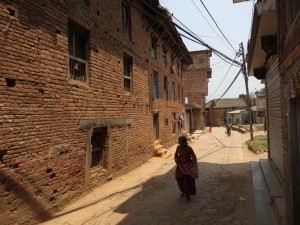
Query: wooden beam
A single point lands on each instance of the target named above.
(90, 123)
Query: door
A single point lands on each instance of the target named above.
(275, 136)
(295, 155)
(155, 126)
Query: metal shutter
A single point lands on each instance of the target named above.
(275, 118)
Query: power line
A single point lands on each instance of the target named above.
(229, 85)
(197, 39)
(223, 79)
(209, 23)
(217, 25)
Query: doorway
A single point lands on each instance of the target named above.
(155, 126)
(295, 155)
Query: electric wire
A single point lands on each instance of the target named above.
(229, 86)
(223, 79)
(218, 53)
(217, 25)
(197, 40)
(210, 25)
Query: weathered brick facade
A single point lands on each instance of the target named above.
(49, 119)
(196, 87)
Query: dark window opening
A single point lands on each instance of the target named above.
(78, 39)
(127, 72)
(126, 21)
(155, 85)
(98, 143)
(166, 122)
(164, 59)
(172, 60)
(154, 47)
(10, 82)
(166, 88)
(173, 90)
(179, 98)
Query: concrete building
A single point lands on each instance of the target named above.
(195, 89)
(85, 89)
(258, 106)
(274, 56)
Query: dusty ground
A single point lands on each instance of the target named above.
(149, 194)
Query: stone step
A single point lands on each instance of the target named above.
(157, 147)
(156, 142)
(275, 190)
(263, 211)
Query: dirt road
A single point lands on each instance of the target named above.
(149, 194)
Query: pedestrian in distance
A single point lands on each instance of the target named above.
(210, 128)
(187, 168)
(228, 128)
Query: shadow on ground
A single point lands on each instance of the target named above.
(224, 196)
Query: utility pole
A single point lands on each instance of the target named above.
(247, 90)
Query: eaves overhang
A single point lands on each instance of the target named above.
(162, 23)
(264, 24)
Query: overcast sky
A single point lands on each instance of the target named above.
(234, 20)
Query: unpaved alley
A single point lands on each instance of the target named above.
(149, 194)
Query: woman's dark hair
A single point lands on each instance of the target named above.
(182, 139)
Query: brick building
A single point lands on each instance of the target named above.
(217, 109)
(274, 56)
(195, 82)
(82, 87)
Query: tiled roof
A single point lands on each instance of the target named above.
(228, 103)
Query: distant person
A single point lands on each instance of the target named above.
(228, 128)
(210, 128)
(187, 168)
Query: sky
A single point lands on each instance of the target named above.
(234, 20)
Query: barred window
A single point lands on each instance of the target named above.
(77, 39)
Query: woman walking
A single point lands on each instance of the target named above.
(187, 168)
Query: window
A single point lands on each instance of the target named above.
(98, 143)
(155, 85)
(173, 90)
(126, 16)
(178, 69)
(172, 60)
(166, 122)
(179, 98)
(77, 39)
(164, 58)
(201, 60)
(127, 72)
(153, 47)
(166, 88)
(172, 67)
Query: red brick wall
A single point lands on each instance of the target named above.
(214, 115)
(42, 148)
